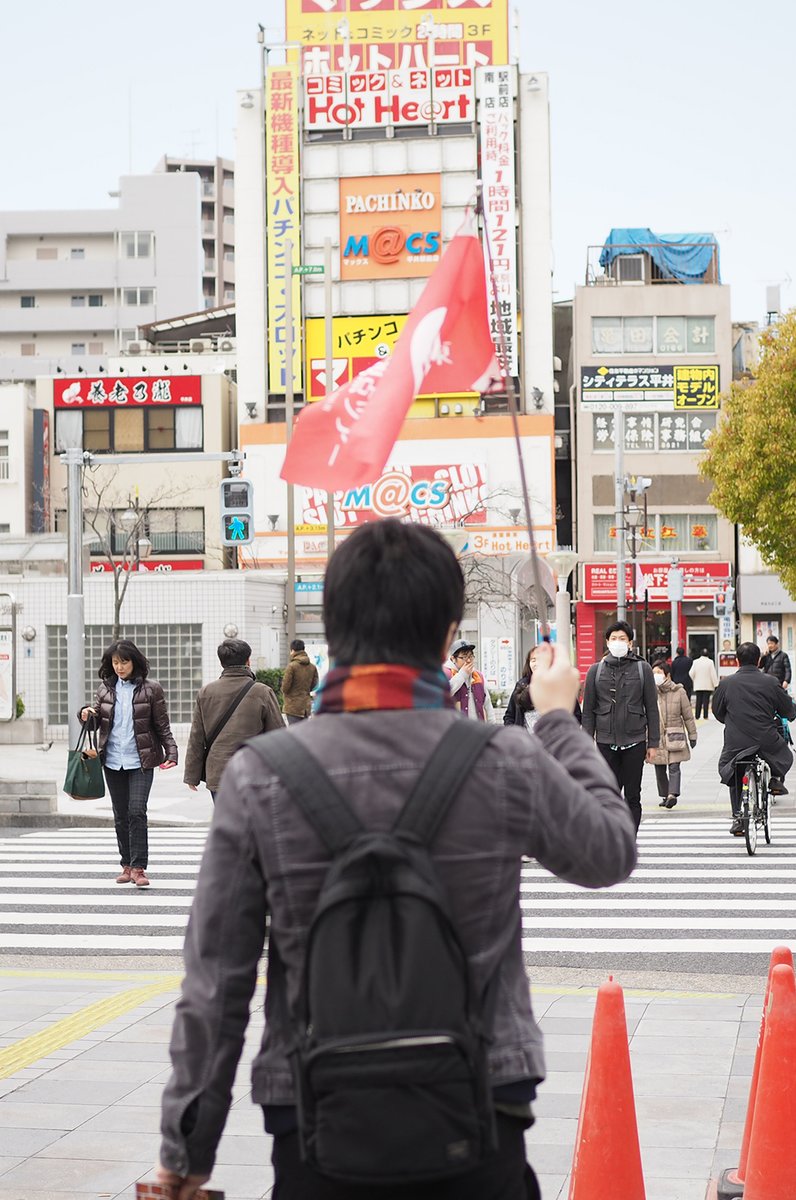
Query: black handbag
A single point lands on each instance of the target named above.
(219, 725)
(84, 779)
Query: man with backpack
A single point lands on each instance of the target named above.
(400, 1057)
(620, 711)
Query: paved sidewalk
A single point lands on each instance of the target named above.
(171, 803)
(83, 1060)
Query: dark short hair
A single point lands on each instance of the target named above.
(297, 644)
(772, 637)
(234, 652)
(660, 664)
(128, 652)
(681, 649)
(391, 593)
(619, 627)
(748, 654)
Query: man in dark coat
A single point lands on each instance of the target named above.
(620, 711)
(776, 662)
(749, 705)
(681, 666)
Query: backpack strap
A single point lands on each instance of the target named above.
(439, 781)
(600, 669)
(310, 786)
(640, 665)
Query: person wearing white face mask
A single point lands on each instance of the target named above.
(620, 711)
(678, 733)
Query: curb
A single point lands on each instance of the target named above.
(76, 821)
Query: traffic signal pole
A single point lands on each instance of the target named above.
(291, 495)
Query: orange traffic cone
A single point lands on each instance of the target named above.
(607, 1159)
(771, 1167)
(731, 1182)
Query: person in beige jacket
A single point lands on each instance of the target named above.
(703, 673)
(678, 734)
(299, 681)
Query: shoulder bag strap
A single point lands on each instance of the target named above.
(640, 665)
(310, 786)
(219, 725)
(447, 768)
(600, 669)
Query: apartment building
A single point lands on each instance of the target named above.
(217, 185)
(76, 285)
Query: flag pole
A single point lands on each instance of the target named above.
(539, 597)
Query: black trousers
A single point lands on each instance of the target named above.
(504, 1175)
(129, 792)
(628, 767)
(702, 704)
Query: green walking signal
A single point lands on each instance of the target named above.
(237, 517)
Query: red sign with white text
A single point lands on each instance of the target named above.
(700, 580)
(158, 566)
(110, 391)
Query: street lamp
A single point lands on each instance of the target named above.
(635, 521)
(130, 519)
(563, 561)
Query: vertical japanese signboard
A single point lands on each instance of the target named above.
(283, 218)
(7, 698)
(385, 35)
(495, 89)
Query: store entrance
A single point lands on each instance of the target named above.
(699, 640)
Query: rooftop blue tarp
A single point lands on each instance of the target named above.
(682, 256)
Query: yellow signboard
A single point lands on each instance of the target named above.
(357, 343)
(283, 222)
(383, 35)
(696, 387)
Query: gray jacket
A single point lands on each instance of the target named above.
(621, 707)
(550, 797)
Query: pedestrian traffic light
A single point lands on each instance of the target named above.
(237, 518)
(720, 604)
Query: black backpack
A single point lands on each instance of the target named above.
(390, 1056)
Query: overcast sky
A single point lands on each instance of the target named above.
(678, 116)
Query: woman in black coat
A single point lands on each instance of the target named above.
(520, 710)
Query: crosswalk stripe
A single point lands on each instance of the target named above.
(155, 920)
(579, 947)
(117, 899)
(102, 881)
(84, 942)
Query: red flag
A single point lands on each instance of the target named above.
(445, 346)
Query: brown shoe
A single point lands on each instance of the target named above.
(139, 877)
(125, 877)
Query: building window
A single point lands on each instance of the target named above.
(77, 252)
(96, 347)
(46, 252)
(78, 348)
(652, 432)
(5, 528)
(666, 533)
(137, 245)
(229, 293)
(174, 652)
(5, 462)
(27, 349)
(229, 256)
(176, 530)
(27, 302)
(137, 296)
(130, 430)
(672, 335)
(95, 300)
(78, 302)
(127, 335)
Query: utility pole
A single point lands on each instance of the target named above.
(675, 588)
(73, 459)
(619, 504)
(291, 495)
(327, 296)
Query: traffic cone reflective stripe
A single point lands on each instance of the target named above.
(771, 1166)
(607, 1158)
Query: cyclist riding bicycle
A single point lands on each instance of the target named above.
(749, 706)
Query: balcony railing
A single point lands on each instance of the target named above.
(635, 263)
(5, 467)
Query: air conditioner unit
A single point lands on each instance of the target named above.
(630, 268)
(199, 345)
(135, 348)
(226, 345)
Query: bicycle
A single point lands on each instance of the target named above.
(755, 801)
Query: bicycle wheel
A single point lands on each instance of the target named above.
(765, 806)
(749, 811)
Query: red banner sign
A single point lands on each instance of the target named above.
(110, 391)
(157, 566)
(700, 580)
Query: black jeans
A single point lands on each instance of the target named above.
(628, 767)
(702, 704)
(504, 1175)
(129, 795)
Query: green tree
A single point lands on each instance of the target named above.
(751, 457)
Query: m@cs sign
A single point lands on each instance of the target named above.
(390, 226)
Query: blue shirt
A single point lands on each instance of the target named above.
(121, 751)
